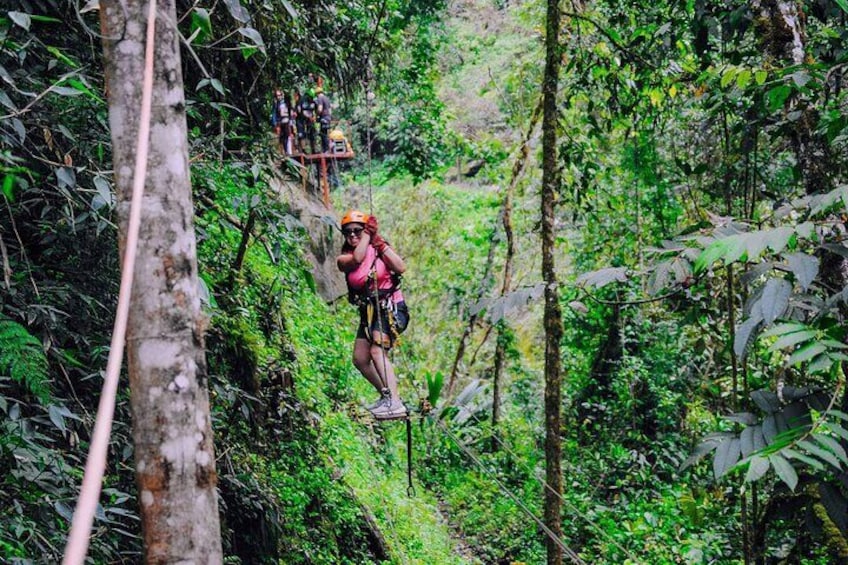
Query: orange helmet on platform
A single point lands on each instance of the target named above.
(354, 217)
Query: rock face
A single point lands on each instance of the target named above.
(323, 238)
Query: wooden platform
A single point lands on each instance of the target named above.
(310, 158)
(319, 160)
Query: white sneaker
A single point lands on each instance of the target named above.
(390, 411)
(385, 398)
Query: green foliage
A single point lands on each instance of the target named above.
(22, 358)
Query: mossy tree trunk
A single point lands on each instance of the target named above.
(553, 313)
(172, 435)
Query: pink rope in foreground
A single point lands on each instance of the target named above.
(95, 465)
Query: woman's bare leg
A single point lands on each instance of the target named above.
(386, 371)
(362, 360)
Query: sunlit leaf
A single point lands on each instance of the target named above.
(9, 186)
(794, 338)
(290, 9)
(785, 328)
(743, 78)
(777, 97)
(711, 254)
(807, 352)
(20, 19)
(822, 454)
(833, 446)
(728, 77)
(201, 23)
(798, 456)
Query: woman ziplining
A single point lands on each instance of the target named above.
(372, 271)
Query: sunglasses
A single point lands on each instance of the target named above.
(352, 231)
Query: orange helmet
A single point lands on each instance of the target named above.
(354, 217)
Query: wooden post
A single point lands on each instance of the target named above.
(325, 186)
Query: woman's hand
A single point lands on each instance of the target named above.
(371, 226)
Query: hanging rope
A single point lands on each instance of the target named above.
(571, 554)
(368, 130)
(95, 464)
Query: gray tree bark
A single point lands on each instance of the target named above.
(172, 434)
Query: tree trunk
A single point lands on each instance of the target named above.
(506, 219)
(553, 314)
(782, 35)
(485, 282)
(172, 435)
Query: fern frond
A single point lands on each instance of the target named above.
(22, 358)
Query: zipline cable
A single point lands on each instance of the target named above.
(575, 511)
(95, 465)
(570, 553)
(368, 77)
(368, 130)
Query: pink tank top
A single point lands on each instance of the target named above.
(358, 278)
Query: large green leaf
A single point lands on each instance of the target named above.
(602, 277)
(784, 470)
(726, 456)
(746, 440)
(822, 454)
(201, 24)
(775, 299)
(804, 267)
(746, 332)
(832, 445)
(807, 352)
(798, 456)
(766, 400)
(785, 328)
(792, 339)
(715, 251)
(757, 468)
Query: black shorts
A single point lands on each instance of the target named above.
(391, 322)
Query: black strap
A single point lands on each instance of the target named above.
(410, 490)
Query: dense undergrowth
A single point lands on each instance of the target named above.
(292, 431)
(626, 434)
(694, 168)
